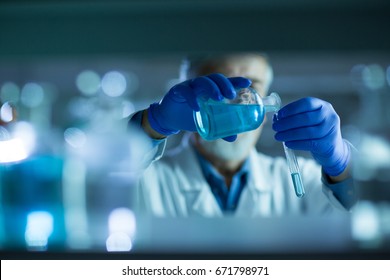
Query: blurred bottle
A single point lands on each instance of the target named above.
(102, 163)
(371, 164)
(31, 172)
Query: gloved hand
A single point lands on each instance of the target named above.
(312, 124)
(175, 111)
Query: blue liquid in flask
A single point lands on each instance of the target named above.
(217, 120)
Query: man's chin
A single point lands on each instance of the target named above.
(229, 151)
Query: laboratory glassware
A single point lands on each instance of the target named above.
(218, 119)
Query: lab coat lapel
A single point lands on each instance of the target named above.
(205, 204)
(256, 197)
(198, 197)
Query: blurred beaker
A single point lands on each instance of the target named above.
(30, 180)
(371, 215)
(101, 168)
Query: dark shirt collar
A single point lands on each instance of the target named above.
(226, 197)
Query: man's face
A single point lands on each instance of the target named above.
(256, 69)
(252, 67)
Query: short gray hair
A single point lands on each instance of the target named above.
(191, 65)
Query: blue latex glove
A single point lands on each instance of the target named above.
(175, 111)
(312, 124)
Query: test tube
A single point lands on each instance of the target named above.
(294, 171)
(292, 163)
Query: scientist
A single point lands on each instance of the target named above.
(229, 176)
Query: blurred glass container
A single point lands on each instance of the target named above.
(372, 168)
(218, 119)
(102, 163)
(31, 181)
(371, 215)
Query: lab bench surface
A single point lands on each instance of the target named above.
(309, 237)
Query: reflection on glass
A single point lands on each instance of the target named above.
(16, 144)
(75, 137)
(38, 230)
(6, 113)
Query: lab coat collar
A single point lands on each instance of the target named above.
(258, 180)
(255, 200)
(186, 159)
(205, 203)
(201, 200)
(196, 192)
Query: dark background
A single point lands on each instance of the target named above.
(313, 45)
(30, 28)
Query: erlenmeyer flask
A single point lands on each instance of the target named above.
(218, 119)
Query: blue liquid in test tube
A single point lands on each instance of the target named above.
(294, 170)
(298, 185)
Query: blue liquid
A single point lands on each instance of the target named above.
(217, 120)
(298, 185)
(34, 184)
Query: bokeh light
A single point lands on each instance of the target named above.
(10, 92)
(12, 150)
(122, 220)
(374, 76)
(88, 82)
(26, 132)
(32, 95)
(365, 222)
(17, 144)
(38, 229)
(373, 159)
(121, 228)
(6, 112)
(114, 84)
(118, 242)
(75, 137)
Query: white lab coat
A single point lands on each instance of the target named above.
(174, 186)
